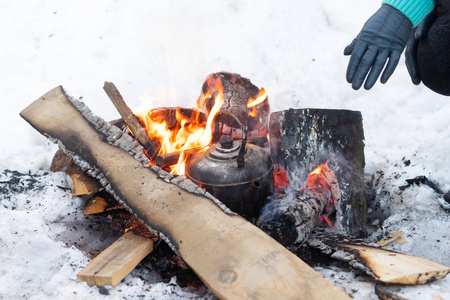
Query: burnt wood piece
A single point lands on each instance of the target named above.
(237, 91)
(388, 292)
(133, 123)
(234, 259)
(384, 265)
(303, 139)
(291, 218)
(170, 159)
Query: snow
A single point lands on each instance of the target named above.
(159, 53)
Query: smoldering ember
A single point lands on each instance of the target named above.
(227, 195)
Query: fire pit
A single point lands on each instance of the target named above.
(319, 160)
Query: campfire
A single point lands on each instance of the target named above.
(188, 175)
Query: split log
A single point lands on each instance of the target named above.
(95, 205)
(133, 123)
(383, 265)
(61, 162)
(115, 262)
(303, 139)
(82, 183)
(235, 259)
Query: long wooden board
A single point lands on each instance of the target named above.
(235, 259)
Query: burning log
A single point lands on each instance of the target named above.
(291, 219)
(133, 123)
(235, 259)
(242, 99)
(302, 139)
(172, 158)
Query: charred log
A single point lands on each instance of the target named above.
(302, 139)
(237, 91)
(291, 218)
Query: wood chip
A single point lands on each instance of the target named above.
(390, 238)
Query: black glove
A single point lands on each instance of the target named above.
(383, 37)
(417, 34)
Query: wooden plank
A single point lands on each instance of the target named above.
(234, 258)
(394, 267)
(116, 261)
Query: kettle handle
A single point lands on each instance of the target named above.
(240, 158)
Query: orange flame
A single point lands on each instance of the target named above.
(188, 133)
(252, 102)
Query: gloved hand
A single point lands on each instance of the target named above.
(383, 38)
(418, 33)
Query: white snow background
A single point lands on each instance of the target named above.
(160, 52)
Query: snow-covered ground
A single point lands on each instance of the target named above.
(159, 53)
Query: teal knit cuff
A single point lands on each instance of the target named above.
(415, 10)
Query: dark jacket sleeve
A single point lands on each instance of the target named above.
(442, 6)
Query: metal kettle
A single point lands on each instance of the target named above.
(239, 174)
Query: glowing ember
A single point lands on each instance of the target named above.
(322, 179)
(281, 179)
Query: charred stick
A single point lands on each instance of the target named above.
(133, 123)
(170, 159)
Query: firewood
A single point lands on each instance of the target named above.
(393, 267)
(172, 158)
(235, 259)
(82, 183)
(302, 139)
(383, 265)
(95, 205)
(133, 123)
(61, 162)
(291, 220)
(119, 259)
